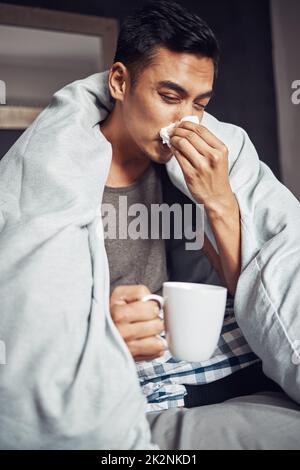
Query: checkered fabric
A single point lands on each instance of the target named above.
(163, 379)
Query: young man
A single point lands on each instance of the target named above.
(163, 71)
(68, 297)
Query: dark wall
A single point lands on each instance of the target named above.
(245, 89)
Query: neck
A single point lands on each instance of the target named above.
(128, 163)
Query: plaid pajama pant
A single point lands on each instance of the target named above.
(162, 380)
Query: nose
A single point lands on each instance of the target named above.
(186, 112)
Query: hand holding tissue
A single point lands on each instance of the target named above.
(165, 132)
(203, 159)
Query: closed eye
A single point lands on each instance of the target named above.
(174, 100)
(171, 98)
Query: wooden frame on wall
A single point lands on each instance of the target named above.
(20, 117)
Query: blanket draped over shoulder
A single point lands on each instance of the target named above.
(69, 380)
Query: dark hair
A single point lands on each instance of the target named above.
(162, 24)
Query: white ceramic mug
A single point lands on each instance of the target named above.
(194, 315)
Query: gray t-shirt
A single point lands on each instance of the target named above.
(135, 261)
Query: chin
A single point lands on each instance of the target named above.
(165, 159)
(161, 159)
(163, 153)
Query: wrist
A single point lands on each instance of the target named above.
(222, 208)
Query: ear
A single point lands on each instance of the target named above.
(117, 81)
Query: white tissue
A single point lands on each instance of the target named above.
(165, 132)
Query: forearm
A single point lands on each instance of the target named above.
(224, 219)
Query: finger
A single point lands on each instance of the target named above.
(135, 312)
(182, 145)
(140, 330)
(210, 138)
(147, 348)
(184, 164)
(128, 294)
(148, 358)
(196, 141)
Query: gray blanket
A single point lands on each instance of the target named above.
(263, 421)
(69, 380)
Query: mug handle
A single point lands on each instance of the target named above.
(155, 297)
(161, 302)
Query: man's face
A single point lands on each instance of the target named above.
(154, 104)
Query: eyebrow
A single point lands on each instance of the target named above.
(174, 86)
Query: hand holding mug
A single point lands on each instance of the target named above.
(138, 322)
